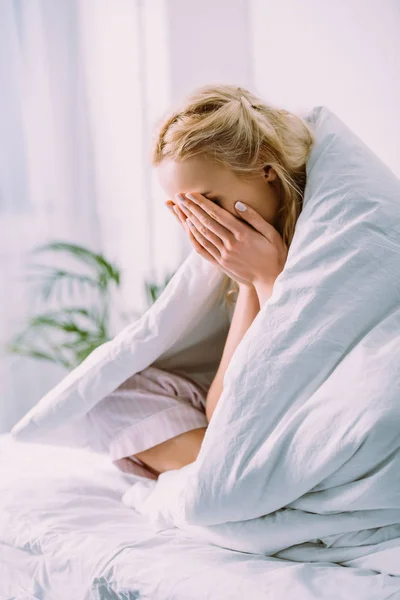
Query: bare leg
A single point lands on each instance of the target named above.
(173, 453)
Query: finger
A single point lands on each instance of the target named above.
(207, 220)
(216, 219)
(204, 232)
(253, 218)
(183, 219)
(178, 215)
(203, 245)
(171, 207)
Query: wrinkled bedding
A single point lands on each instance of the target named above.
(64, 534)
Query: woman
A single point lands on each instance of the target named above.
(235, 167)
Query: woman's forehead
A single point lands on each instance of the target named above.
(193, 174)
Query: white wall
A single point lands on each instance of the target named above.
(343, 54)
(208, 43)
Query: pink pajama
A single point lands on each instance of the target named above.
(149, 408)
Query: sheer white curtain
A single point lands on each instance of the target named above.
(81, 85)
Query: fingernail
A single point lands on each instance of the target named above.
(240, 206)
(190, 197)
(179, 197)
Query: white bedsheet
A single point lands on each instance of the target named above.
(64, 535)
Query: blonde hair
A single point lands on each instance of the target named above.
(238, 130)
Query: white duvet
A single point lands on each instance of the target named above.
(301, 459)
(65, 535)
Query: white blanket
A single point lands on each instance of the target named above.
(64, 535)
(301, 459)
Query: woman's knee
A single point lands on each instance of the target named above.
(174, 453)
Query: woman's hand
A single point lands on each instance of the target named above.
(182, 218)
(252, 254)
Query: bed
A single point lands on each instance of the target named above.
(65, 535)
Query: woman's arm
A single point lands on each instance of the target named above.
(264, 291)
(246, 309)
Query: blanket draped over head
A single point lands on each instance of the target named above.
(301, 459)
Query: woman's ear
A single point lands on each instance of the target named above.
(269, 173)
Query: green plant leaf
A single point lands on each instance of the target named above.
(78, 329)
(48, 321)
(33, 352)
(85, 255)
(56, 277)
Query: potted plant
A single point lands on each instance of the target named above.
(66, 336)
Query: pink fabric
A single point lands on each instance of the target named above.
(149, 408)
